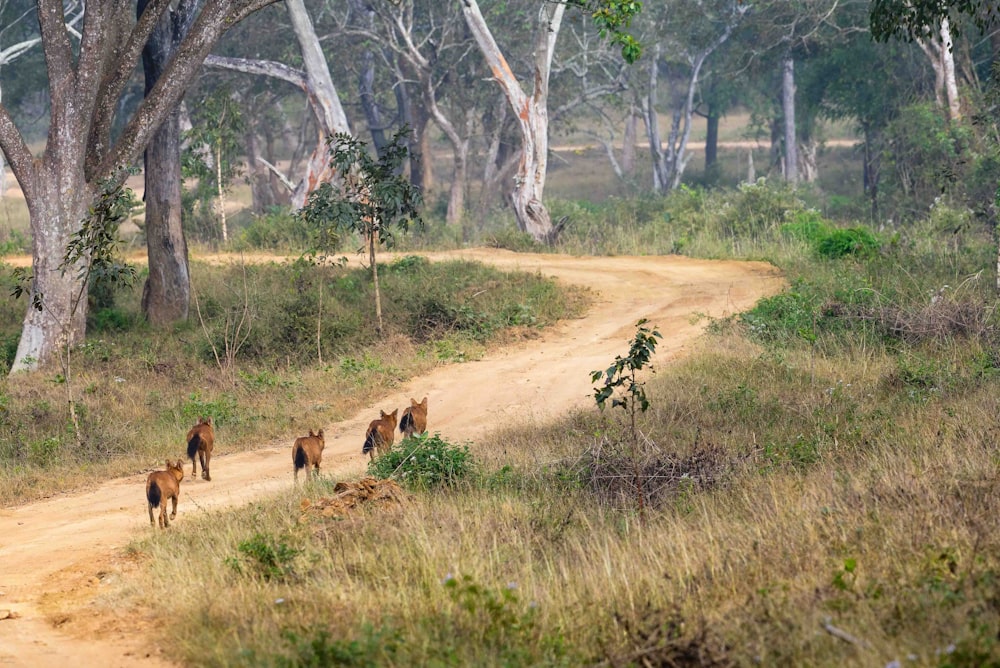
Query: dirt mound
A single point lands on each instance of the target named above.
(350, 495)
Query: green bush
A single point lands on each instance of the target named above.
(856, 241)
(424, 461)
(277, 229)
(264, 556)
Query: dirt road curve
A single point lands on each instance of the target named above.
(57, 555)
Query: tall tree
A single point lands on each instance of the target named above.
(315, 81)
(684, 38)
(84, 86)
(166, 294)
(531, 111)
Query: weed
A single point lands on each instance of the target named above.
(424, 461)
(264, 556)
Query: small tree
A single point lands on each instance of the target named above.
(622, 375)
(371, 197)
(213, 146)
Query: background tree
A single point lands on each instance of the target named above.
(211, 156)
(166, 294)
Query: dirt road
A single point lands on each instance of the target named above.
(58, 556)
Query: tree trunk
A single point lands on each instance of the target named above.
(261, 189)
(788, 110)
(628, 143)
(711, 139)
(948, 62)
(62, 320)
(167, 292)
(939, 53)
(323, 98)
(531, 112)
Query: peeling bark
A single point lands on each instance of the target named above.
(531, 113)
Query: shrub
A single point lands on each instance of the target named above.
(857, 241)
(424, 461)
(264, 556)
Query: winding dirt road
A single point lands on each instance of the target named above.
(58, 556)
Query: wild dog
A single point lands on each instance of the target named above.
(201, 440)
(380, 435)
(307, 453)
(164, 486)
(414, 420)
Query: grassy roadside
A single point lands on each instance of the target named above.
(307, 353)
(824, 470)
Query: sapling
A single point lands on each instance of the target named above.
(625, 391)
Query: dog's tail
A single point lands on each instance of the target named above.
(406, 426)
(299, 457)
(370, 442)
(154, 495)
(193, 446)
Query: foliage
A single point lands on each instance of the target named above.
(622, 373)
(373, 197)
(211, 158)
(264, 556)
(424, 461)
(319, 649)
(915, 19)
(278, 230)
(613, 18)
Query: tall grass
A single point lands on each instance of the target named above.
(311, 354)
(828, 465)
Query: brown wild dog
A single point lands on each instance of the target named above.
(380, 434)
(414, 420)
(164, 486)
(307, 453)
(201, 440)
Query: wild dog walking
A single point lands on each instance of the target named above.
(307, 453)
(380, 435)
(164, 486)
(201, 440)
(414, 420)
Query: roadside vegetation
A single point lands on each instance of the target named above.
(268, 347)
(817, 487)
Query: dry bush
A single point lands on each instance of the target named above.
(613, 471)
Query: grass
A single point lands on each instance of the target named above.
(824, 466)
(898, 551)
(311, 355)
(822, 474)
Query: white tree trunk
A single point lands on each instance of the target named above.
(939, 53)
(531, 112)
(322, 96)
(948, 65)
(788, 109)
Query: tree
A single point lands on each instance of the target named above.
(210, 157)
(531, 111)
(432, 45)
(166, 294)
(914, 19)
(321, 95)
(84, 86)
(686, 36)
(370, 198)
